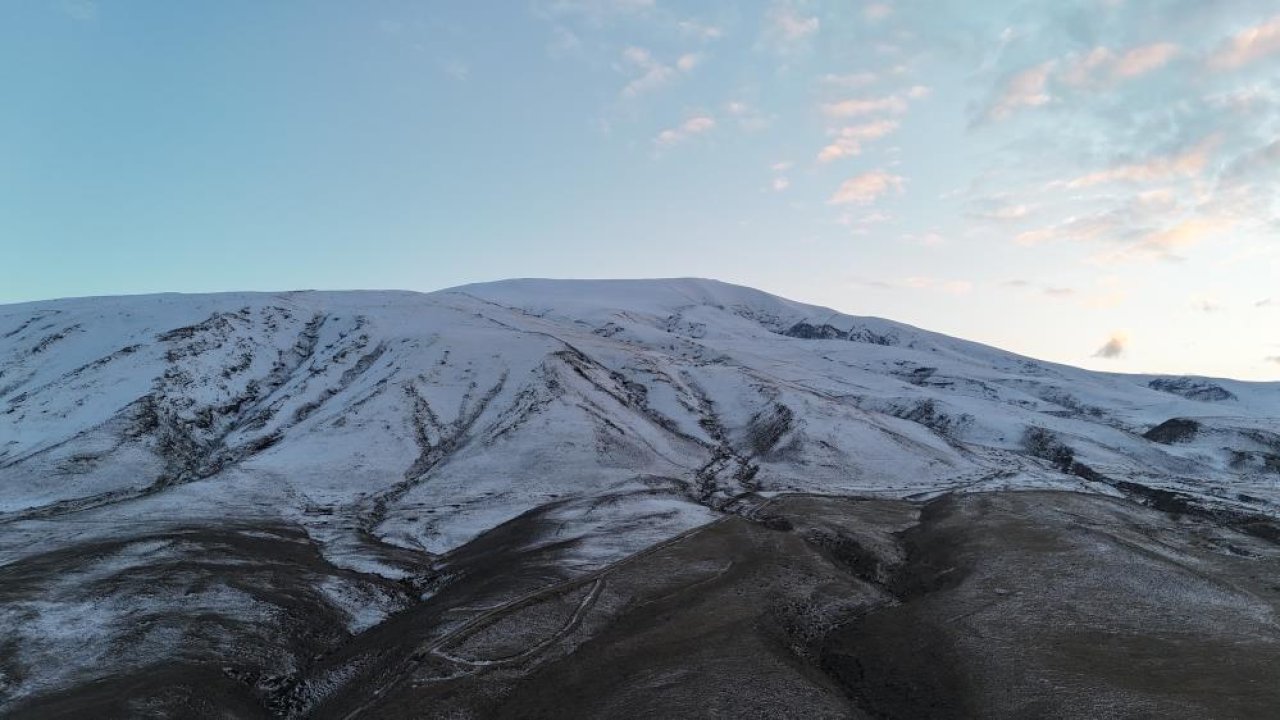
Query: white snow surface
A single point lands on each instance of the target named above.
(427, 419)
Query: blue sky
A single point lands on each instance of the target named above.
(1090, 181)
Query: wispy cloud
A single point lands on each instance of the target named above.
(866, 188)
(1007, 213)
(1026, 89)
(653, 74)
(81, 10)
(921, 282)
(1164, 244)
(848, 140)
(1188, 163)
(1103, 66)
(850, 81)
(895, 104)
(1248, 46)
(456, 69)
(701, 31)
(877, 11)
(597, 11)
(695, 125)
(862, 224)
(749, 118)
(688, 61)
(789, 25)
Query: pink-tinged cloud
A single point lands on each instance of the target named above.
(1166, 243)
(1102, 66)
(848, 140)
(1248, 46)
(890, 105)
(1160, 169)
(866, 188)
(1187, 233)
(1142, 60)
(1027, 89)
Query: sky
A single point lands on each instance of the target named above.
(1094, 182)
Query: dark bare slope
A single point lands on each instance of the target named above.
(1030, 604)
(1007, 605)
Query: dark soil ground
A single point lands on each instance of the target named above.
(993, 605)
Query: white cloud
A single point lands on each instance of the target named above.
(599, 7)
(894, 104)
(653, 73)
(1248, 46)
(695, 125)
(1008, 212)
(851, 81)
(749, 118)
(688, 61)
(928, 239)
(700, 30)
(861, 225)
(866, 188)
(790, 25)
(780, 184)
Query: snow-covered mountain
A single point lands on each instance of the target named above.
(392, 428)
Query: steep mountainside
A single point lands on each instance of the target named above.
(318, 465)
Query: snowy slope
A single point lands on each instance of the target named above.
(428, 418)
(394, 427)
